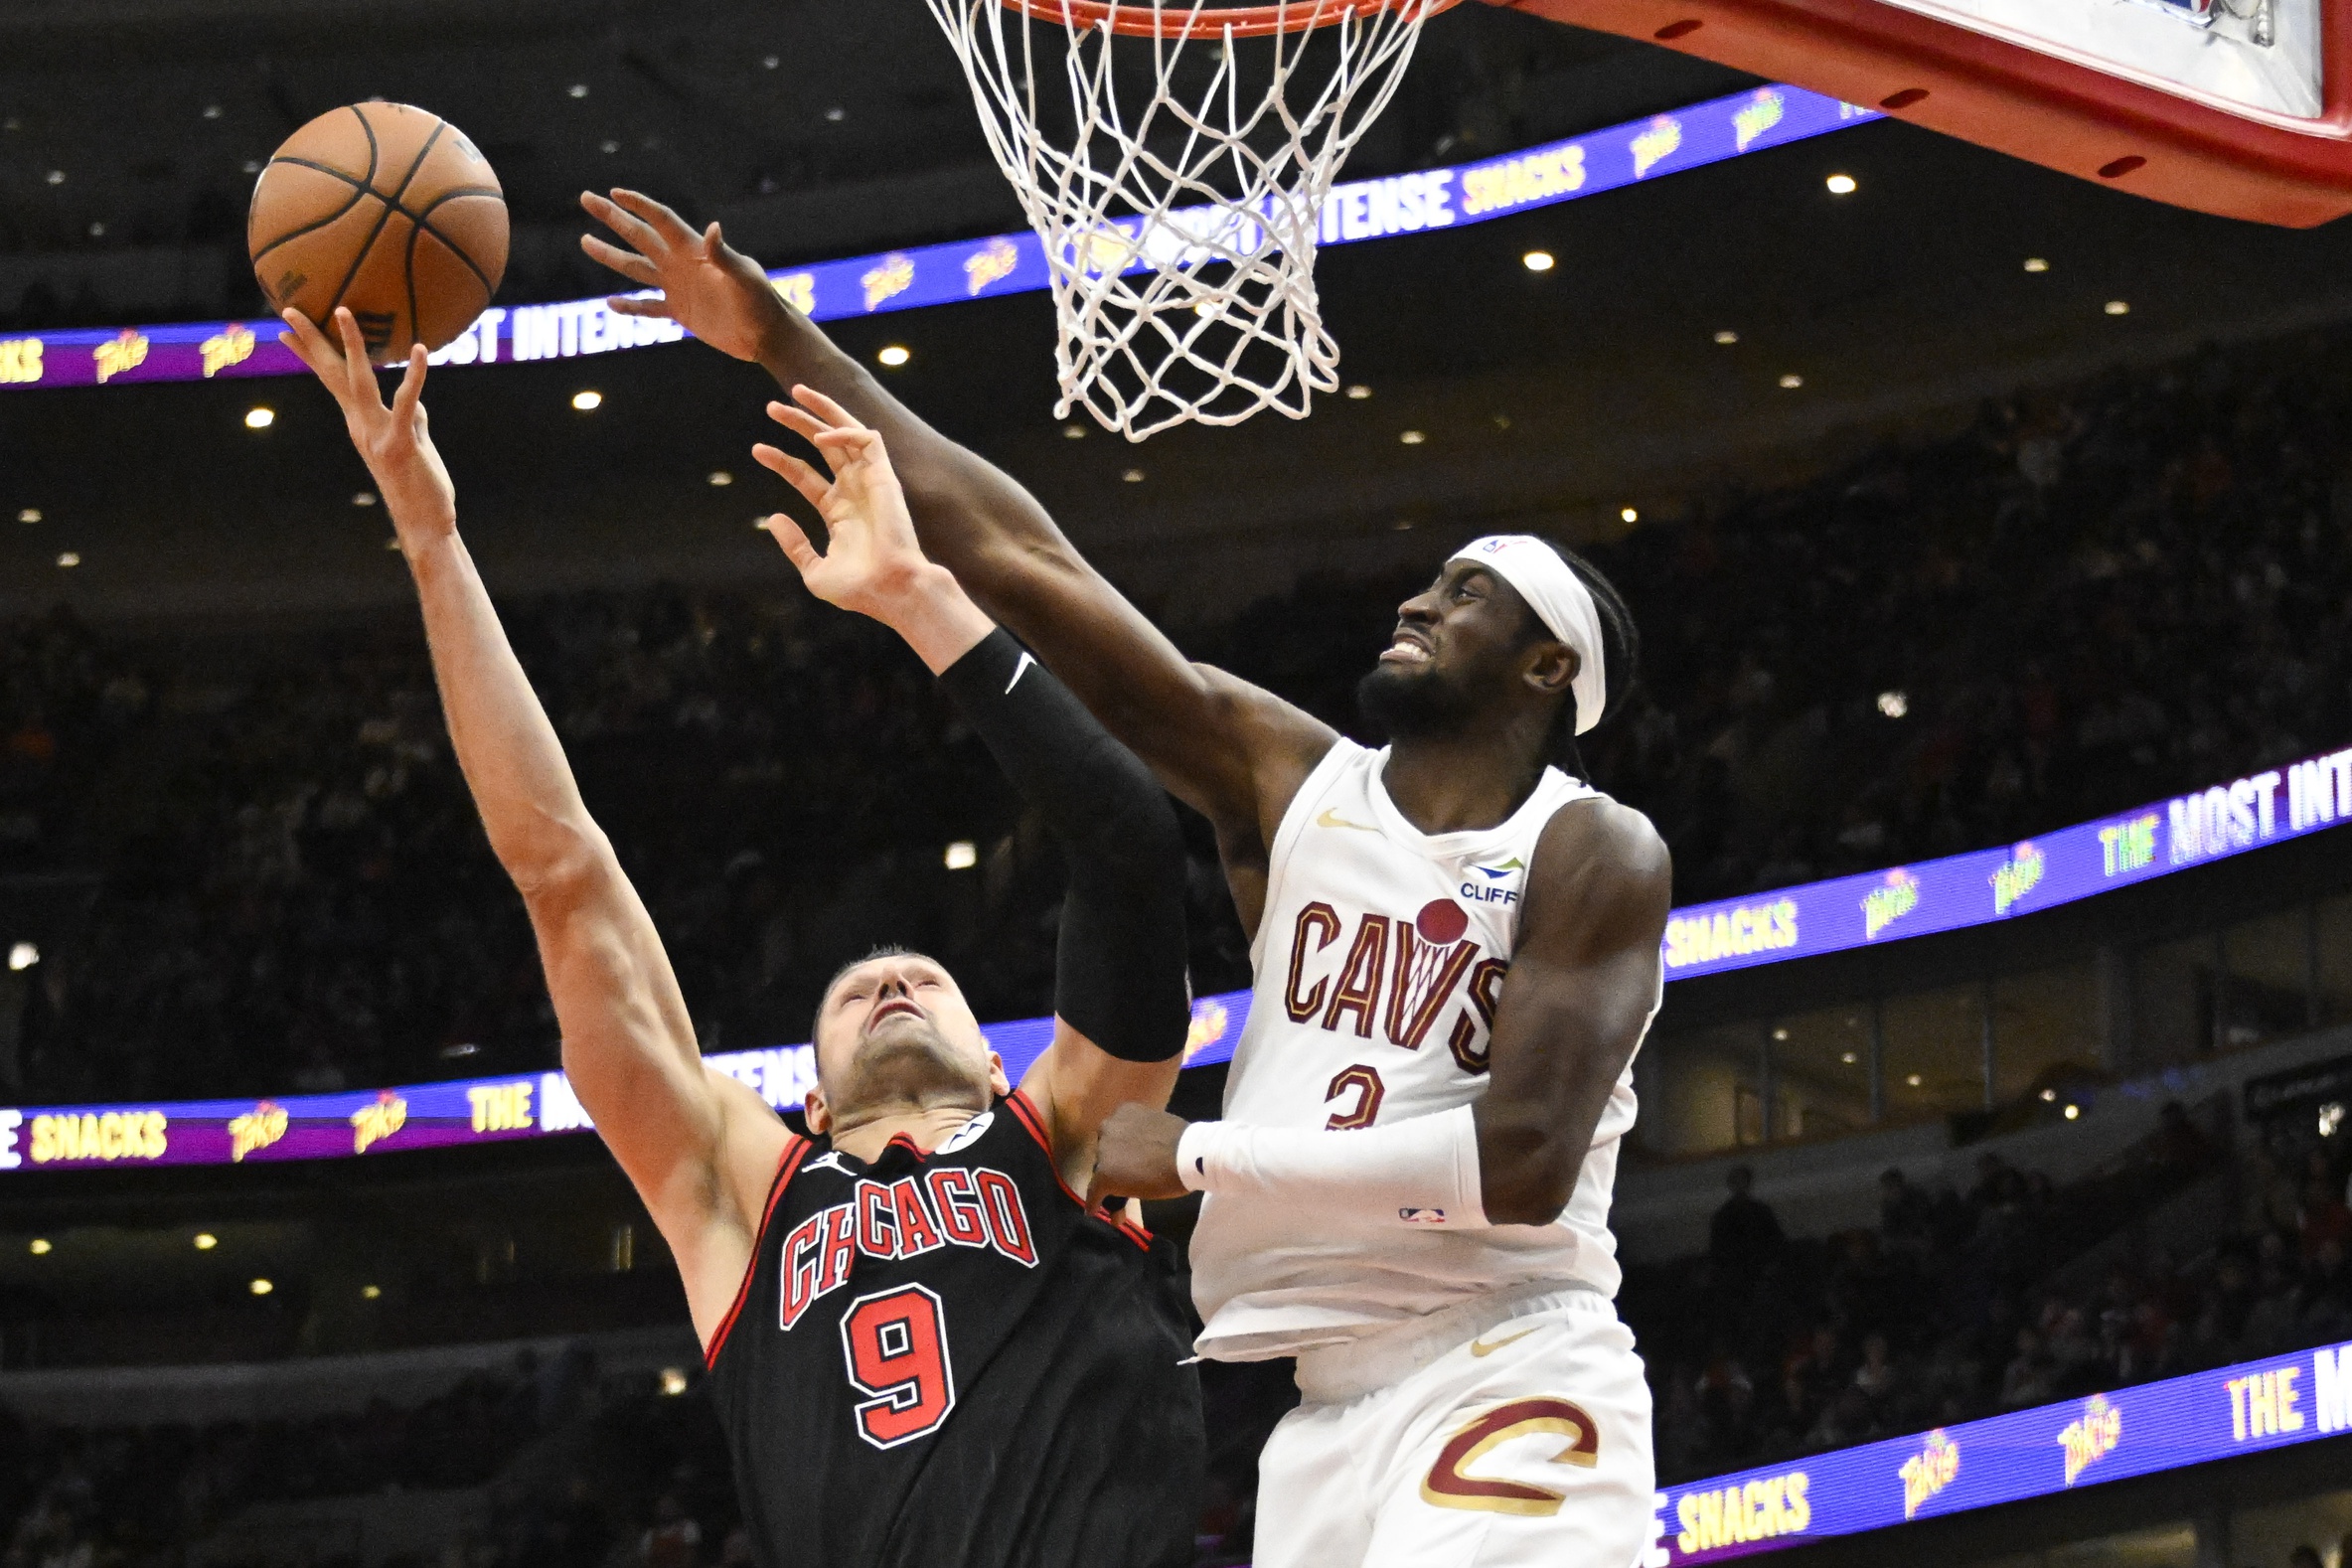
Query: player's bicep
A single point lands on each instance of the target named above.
(628, 1048)
(1582, 986)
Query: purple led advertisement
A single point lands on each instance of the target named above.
(2034, 1453)
(942, 275)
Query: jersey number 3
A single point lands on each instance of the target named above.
(895, 1343)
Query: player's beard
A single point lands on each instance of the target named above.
(1406, 703)
(908, 1062)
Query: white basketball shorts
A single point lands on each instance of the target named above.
(1522, 1440)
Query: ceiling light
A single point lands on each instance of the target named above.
(585, 400)
(2117, 307)
(1412, 437)
(205, 1241)
(2074, 1112)
(962, 855)
(98, 231)
(261, 1286)
(1792, 382)
(1727, 337)
(608, 146)
(371, 1292)
(251, 166)
(1893, 704)
(578, 90)
(57, 176)
(363, 498)
(1074, 433)
(1401, 526)
(836, 114)
(1849, 1058)
(1629, 515)
(893, 354)
(1780, 1035)
(1912, 1079)
(2049, 1095)
(1134, 476)
(38, 1247)
(394, 542)
(212, 111)
(2036, 264)
(1358, 393)
(1538, 262)
(769, 62)
(29, 515)
(23, 956)
(672, 1380)
(721, 478)
(1840, 185)
(260, 418)
(69, 558)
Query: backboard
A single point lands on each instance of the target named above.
(2239, 108)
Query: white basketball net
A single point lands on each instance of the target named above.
(1180, 234)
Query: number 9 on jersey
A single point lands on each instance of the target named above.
(895, 1343)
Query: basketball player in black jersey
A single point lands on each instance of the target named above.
(927, 1350)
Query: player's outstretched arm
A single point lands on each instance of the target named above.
(1583, 983)
(700, 1148)
(1230, 750)
(1121, 1006)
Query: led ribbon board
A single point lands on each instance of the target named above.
(1986, 885)
(2034, 1453)
(1443, 198)
(1794, 922)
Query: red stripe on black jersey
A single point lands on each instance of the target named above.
(1026, 1110)
(795, 1148)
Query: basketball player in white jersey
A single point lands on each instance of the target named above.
(1457, 952)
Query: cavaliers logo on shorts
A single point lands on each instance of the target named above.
(1448, 1484)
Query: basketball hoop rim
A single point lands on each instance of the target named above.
(1144, 18)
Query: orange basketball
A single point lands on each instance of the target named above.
(388, 209)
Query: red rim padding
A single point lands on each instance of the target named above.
(1177, 17)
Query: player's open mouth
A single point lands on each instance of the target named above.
(1406, 649)
(890, 1008)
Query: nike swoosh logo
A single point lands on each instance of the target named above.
(1332, 818)
(1019, 670)
(1481, 1348)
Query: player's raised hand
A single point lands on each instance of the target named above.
(392, 442)
(709, 287)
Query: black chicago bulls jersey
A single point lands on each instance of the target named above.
(943, 1360)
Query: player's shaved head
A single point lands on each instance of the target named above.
(893, 1033)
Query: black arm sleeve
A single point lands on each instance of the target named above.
(1119, 976)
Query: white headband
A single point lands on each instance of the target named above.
(1560, 600)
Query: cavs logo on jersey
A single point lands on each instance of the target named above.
(946, 1207)
(1395, 973)
(1450, 1485)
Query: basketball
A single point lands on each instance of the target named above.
(386, 208)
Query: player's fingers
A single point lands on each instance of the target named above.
(359, 377)
(799, 421)
(412, 387)
(797, 547)
(817, 403)
(302, 337)
(641, 305)
(628, 263)
(609, 212)
(812, 485)
(666, 224)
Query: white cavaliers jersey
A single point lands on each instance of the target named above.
(1378, 963)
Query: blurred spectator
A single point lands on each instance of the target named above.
(1745, 1233)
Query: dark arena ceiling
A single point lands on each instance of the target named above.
(822, 129)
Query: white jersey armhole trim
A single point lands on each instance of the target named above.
(1295, 817)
